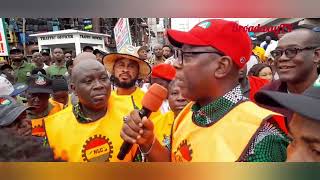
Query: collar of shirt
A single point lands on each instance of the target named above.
(153, 60)
(212, 112)
(78, 113)
(59, 67)
(246, 88)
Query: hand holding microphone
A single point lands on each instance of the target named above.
(138, 129)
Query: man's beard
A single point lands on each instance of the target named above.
(125, 85)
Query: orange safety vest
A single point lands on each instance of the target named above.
(37, 124)
(64, 106)
(86, 142)
(162, 128)
(223, 141)
(125, 105)
(124, 102)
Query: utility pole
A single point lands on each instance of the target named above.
(149, 33)
(143, 37)
(96, 23)
(136, 32)
(156, 31)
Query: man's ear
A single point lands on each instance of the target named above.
(224, 66)
(73, 87)
(317, 56)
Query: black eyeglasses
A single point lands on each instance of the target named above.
(289, 52)
(186, 56)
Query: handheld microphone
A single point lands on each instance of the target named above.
(151, 102)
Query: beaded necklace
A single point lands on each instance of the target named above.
(79, 114)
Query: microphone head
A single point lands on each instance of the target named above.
(153, 99)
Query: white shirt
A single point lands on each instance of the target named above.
(264, 43)
(45, 66)
(165, 104)
(165, 107)
(170, 60)
(276, 76)
(6, 87)
(145, 87)
(270, 48)
(252, 61)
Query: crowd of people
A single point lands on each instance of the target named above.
(230, 98)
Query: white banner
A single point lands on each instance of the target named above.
(122, 33)
(3, 39)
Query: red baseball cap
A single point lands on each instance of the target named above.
(163, 71)
(225, 36)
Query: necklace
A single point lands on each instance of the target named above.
(79, 114)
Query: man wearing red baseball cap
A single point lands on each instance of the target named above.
(220, 125)
(163, 74)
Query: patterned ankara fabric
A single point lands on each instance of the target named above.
(203, 116)
(79, 114)
(269, 144)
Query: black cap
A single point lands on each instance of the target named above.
(45, 52)
(15, 50)
(306, 104)
(96, 51)
(87, 48)
(59, 84)
(39, 83)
